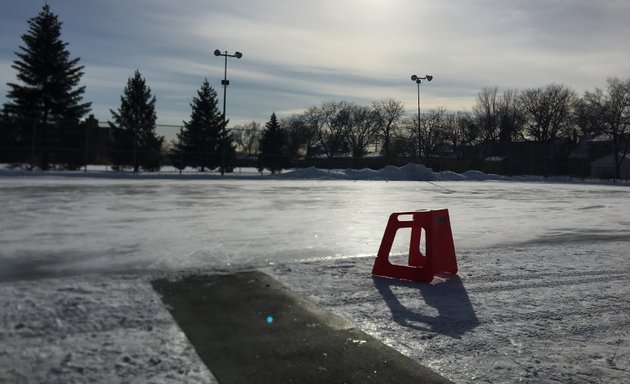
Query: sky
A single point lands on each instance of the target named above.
(299, 53)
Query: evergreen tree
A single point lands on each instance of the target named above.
(273, 147)
(199, 142)
(49, 97)
(7, 138)
(134, 141)
(227, 148)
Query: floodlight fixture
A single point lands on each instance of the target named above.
(418, 79)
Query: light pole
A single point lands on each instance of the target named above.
(418, 80)
(225, 83)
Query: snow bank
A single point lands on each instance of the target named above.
(451, 176)
(419, 172)
(412, 172)
(409, 172)
(480, 176)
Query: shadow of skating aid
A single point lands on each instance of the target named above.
(413, 305)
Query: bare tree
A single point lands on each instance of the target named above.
(413, 132)
(486, 113)
(436, 131)
(314, 118)
(450, 131)
(361, 130)
(432, 135)
(613, 110)
(300, 135)
(547, 111)
(511, 118)
(467, 132)
(460, 131)
(247, 137)
(586, 121)
(402, 143)
(388, 113)
(330, 122)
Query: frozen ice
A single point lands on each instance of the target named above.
(541, 295)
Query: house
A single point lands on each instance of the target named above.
(97, 141)
(604, 167)
(590, 148)
(532, 157)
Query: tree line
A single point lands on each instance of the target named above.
(44, 123)
(541, 114)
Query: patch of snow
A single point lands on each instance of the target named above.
(417, 172)
(92, 329)
(549, 313)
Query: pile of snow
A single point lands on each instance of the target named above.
(419, 172)
(314, 173)
(452, 176)
(411, 172)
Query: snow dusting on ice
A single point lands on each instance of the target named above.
(534, 314)
(92, 328)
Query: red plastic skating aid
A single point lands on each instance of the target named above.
(440, 250)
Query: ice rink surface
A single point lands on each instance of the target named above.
(542, 293)
(68, 225)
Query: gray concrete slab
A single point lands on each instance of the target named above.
(227, 319)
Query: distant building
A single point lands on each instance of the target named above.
(529, 157)
(98, 141)
(604, 167)
(589, 149)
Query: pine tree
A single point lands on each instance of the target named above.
(227, 148)
(49, 97)
(134, 139)
(7, 138)
(199, 142)
(273, 147)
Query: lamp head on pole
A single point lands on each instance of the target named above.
(238, 55)
(419, 79)
(217, 52)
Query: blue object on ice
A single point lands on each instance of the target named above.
(269, 319)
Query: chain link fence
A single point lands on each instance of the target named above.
(88, 145)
